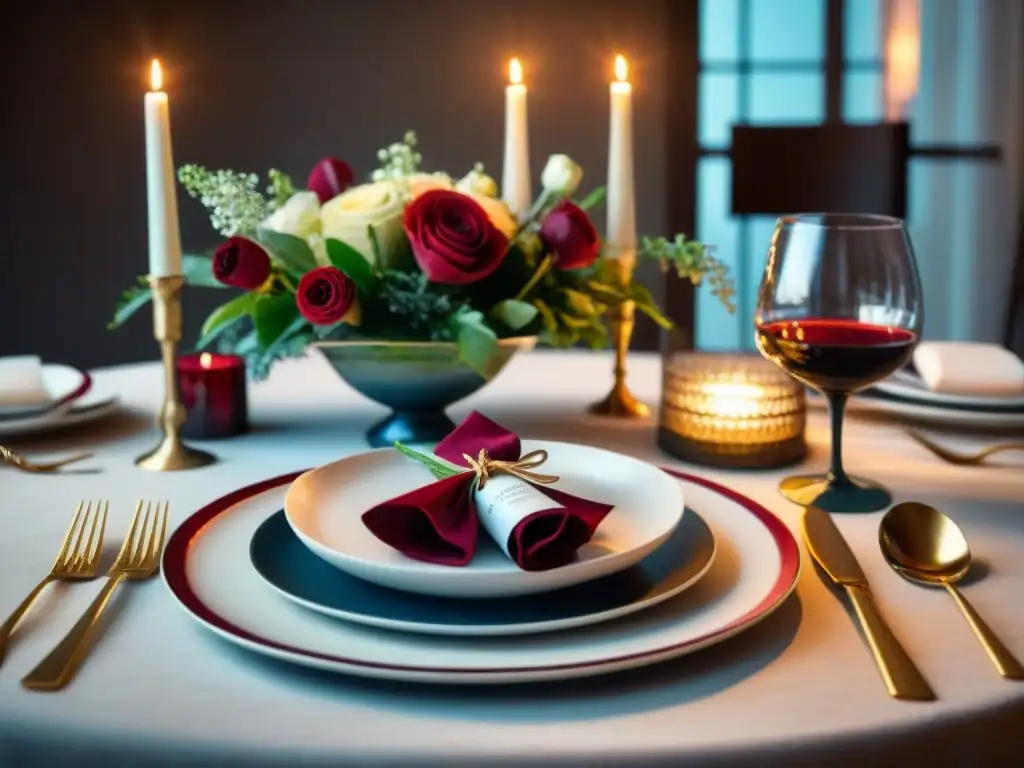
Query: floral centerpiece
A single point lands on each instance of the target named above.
(410, 256)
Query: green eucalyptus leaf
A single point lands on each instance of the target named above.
(594, 198)
(238, 307)
(351, 262)
(293, 252)
(272, 315)
(224, 317)
(198, 270)
(476, 341)
(515, 314)
(131, 301)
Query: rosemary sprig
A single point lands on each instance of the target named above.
(439, 469)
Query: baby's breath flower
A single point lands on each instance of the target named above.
(231, 198)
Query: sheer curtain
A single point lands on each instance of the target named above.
(963, 214)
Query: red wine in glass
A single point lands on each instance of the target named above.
(835, 355)
(839, 308)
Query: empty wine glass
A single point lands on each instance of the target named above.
(839, 308)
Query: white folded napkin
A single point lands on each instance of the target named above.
(969, 368)
(21, 382)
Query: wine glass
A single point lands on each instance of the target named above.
(839, 308)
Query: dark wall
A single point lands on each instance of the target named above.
(266, 83)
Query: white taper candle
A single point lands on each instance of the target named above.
(515, 177)
(164, 237)
(621, 201)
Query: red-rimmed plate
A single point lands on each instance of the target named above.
(206, 567)
(62, 385)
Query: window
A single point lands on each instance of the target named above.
(764, 62)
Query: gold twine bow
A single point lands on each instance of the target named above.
(486, 467)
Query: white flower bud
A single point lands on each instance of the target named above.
(562, 175)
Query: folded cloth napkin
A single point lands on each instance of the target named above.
(21, 382)
(539, 528)
(968, 368)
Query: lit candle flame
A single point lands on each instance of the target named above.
(156, 76)
(205, 359)
(515, 72)
(621, 69)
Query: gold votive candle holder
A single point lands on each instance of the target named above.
(734, 411)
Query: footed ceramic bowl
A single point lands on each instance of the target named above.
(416, 379)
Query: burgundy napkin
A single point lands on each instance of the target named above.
(438, 523)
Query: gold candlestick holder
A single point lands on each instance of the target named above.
(172, 454)
(620, 402)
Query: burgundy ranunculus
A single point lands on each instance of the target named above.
(452, 237)
(329, 178)
(568, 231)
(241, 262)
(327, 295)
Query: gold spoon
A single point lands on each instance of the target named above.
(10, 457)
(925, 546)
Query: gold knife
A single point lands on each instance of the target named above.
(830, 550)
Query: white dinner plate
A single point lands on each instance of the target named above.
(325, 506)
(288, 567)
(63, 384)
(909, 386)
(939, 415)
(206, 568)
(97, 403)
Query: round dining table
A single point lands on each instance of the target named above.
(800, 688)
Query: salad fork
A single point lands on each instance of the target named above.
(137, 560)
(964, 459)
(75, 561)
(10, 457)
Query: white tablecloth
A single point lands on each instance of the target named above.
(800, 688)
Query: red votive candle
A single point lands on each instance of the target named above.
(213, 391)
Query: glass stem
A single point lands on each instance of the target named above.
(836, 408)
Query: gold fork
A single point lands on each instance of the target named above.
(138, 559)
(10, 457)
(74, 561)
(966, 459)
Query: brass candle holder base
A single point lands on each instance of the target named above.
(172, 454)
(620, 402)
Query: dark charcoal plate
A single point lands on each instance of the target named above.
(285, 563)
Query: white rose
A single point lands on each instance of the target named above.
(476, 182)
(562, 175)
(349, 216)
(299, 216)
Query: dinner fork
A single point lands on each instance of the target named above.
(10, 457)
(138, 559)
(966, 459)
(75, 561)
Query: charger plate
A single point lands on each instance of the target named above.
(206, 568)
(285, 563)
(324, 507)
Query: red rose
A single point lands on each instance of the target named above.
(329, 178)
(568, 231)
(242, 263)
(327, 295)
(452, 237)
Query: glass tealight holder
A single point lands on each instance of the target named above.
(735, 411)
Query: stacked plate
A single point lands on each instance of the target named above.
(905, 394)
(678, 564)
(70, 399)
